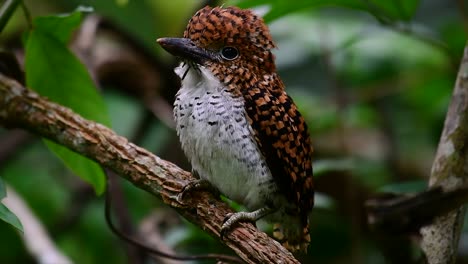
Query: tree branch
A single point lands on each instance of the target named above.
(450, 170)
(398, 214)
(23, 108)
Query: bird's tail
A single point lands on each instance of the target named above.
(293, 237)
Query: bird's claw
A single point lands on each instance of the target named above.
(185, 189)
(195, 185)
(225, 227)
(233, 218)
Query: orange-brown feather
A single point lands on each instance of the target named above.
(279, 129)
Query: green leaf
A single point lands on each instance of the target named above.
(59, 27)
(5, 214)
(53, 71)
(8, 217)
(2, 190)
(395, 9)
(87, 169)
(409, 8)
(280, 8)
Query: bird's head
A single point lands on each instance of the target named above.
(234, 44)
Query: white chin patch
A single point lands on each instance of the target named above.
(193, 78)
(181, 69)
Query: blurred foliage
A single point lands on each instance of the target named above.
(372, 78)
(383, 10)
(50, 68)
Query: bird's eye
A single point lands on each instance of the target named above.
(229, 53)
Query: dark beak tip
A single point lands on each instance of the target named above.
(161, 41)
(184, 48)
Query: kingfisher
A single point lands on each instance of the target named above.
(240, 130)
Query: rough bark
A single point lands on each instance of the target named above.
(23, 108)
(450, 170)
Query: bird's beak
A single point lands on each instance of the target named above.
(185, 48)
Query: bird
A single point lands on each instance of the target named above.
(240, 130)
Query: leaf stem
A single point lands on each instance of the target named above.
(6, 11)
(27, 14)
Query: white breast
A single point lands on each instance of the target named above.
(218, 140)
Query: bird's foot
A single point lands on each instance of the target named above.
(233, 218)
(196, 185)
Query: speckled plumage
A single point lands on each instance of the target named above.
(238, 127)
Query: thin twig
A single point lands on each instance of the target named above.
(151, 227)
(115, 194)
(157, 253)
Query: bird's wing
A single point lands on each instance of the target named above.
(282, 136)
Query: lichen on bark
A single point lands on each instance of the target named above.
(450, 170)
